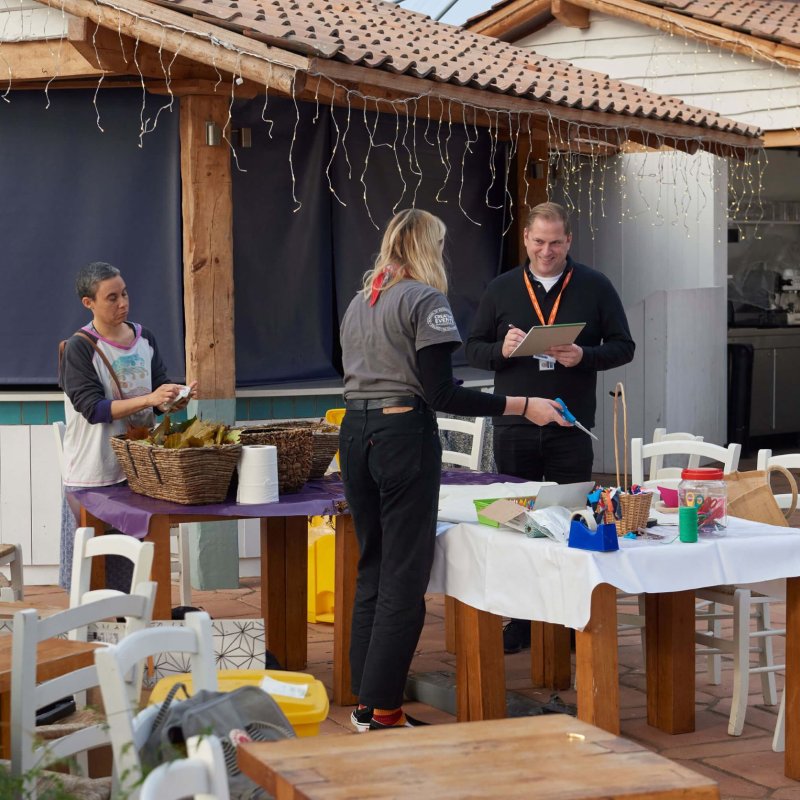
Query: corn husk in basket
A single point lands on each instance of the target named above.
(635, 508)
(189, 475)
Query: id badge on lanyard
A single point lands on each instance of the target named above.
(546, 363)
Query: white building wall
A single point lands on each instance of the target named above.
(24, 20)
(749, 90)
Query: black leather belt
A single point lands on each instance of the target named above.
(373, 403)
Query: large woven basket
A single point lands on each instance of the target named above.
(295, 447)
(190, 475)
(635, 508)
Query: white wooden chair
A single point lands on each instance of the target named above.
(89, 546)
(115, 665)
(26, 695)
(475, 429)
(203, 773)
(11, 556)
(179, 567)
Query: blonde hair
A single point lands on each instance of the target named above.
(552, 212)
(412, 244)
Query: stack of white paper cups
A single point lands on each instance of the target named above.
(258, 474)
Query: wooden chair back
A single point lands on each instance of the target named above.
(475, 429)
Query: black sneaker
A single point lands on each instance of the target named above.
(410, 722)
(361, 719)
(517, 636)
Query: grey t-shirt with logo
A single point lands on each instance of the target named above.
(380, 342)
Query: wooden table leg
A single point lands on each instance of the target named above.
(344, 588)
(596, 663)
(551, 661)
(669, 620)
(791, 757)
(449, 624)
(158, 534)
(98, 576)
(480, 666)
(284, 588)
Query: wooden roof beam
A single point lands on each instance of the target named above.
(787, 138)
(569, 14)
(514, 20)
(166, 29)
(41, 60)
(683, 25)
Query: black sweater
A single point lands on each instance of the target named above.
(606, 339)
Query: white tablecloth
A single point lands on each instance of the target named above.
(509, 574)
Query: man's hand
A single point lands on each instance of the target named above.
(512, 340)
(568, 355)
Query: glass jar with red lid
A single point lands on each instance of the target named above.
(705, 489)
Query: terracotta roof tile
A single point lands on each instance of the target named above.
(775, 20)
(385, 36)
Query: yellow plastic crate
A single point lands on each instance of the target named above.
(304, 713)
(321, 572)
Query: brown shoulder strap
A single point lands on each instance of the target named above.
(102, 355)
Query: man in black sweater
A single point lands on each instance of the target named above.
(549, 288)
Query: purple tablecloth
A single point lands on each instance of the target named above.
(130, 513)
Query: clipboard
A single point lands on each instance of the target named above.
(541, 337)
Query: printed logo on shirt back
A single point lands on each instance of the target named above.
(441, 319)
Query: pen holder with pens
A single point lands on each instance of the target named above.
(631, 510)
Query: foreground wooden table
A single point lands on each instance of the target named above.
(54, 657)
(544, 757)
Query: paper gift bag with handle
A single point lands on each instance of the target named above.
(750, 496)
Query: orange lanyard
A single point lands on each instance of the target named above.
(535, 302)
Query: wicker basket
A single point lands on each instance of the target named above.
(295, 447)
(635, 508)
(190, 475)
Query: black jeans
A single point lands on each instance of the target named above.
(391, 469)
(549, 453)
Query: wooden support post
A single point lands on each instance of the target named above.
(284, 582)
(669, 620)
(344, 588)
(551, 662)
(207, 249)
(480, 666)
(791, 757)
(597, 662)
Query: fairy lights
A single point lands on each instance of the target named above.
(579, 165)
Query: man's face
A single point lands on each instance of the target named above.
(547, 246)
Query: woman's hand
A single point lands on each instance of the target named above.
(542, 412)
(183, 402)
(163, 396)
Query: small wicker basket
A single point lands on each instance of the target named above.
(635, 508)
(190, 475)
(325, 443)
(295, 448)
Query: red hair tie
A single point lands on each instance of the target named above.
(383, 277)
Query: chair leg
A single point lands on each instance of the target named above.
(186, 575)
(714, 660)
(17, 586)
(778, 740)
(765, 657)
(741, 660)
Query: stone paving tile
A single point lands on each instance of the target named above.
(731, 787)
(763, 767)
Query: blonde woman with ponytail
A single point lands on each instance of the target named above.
(397, 339)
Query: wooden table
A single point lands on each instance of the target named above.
(54, 657)
(747, 554)
(544, 757)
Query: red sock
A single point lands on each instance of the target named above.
(391, 717)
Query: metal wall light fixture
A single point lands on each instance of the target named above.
(213, 134)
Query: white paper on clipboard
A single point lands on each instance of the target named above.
(541, 337)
